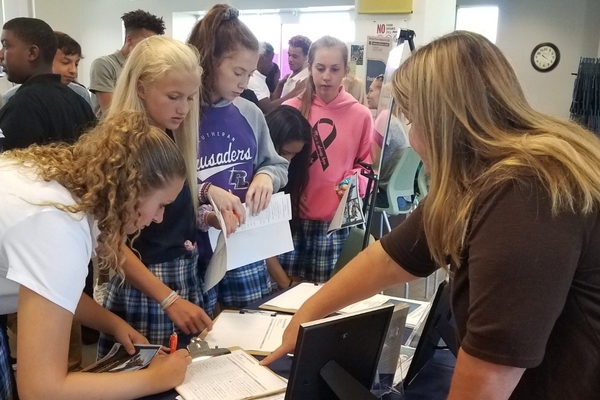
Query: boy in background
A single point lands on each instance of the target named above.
(66, 64)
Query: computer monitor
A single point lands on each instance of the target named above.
(336, 358)
(437, 326)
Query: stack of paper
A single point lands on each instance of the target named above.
(262, 236)
(291, 300)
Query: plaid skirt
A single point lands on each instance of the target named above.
(6, 373)
(314, 255)
(145, 314)
(239, 287)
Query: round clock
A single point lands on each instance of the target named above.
(545, 57)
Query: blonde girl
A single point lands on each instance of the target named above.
(162, 291)
(513, 209)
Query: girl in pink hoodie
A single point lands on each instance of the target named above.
(341, 134)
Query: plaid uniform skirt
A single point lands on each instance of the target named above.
(145, 314)
(314, 255)
(6, 373)
(239, 287)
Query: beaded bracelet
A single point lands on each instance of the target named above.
(203, 192)
(170, 299)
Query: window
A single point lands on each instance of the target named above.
(482, 20)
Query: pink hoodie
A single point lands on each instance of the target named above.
(343, 130)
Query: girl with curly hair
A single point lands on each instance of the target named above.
(60, 203)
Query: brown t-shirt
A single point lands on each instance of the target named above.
(528, 291)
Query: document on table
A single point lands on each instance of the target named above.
(235, 376)
(257, 332)
(291, 300)
(260, 237)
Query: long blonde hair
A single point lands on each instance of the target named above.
(478, 131)
(149, 61)
(354, 86)
(310, 92)
(108, 170)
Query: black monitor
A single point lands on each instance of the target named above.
(336, 358)
(438, 325)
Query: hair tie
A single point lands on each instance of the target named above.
(230, 13)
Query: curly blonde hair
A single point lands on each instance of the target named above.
(478, 131)
(108, 171)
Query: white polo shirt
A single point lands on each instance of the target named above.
(290, 84)
(41, 247)
(258, 84)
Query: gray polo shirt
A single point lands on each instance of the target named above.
(103, 76)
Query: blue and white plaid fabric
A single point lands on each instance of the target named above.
(145, 314)
(5, 367)
(239, 287)
(314, 254)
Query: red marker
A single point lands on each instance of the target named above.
(173, 342)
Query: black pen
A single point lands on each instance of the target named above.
(269, 313)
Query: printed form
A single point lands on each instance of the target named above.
(234, 376)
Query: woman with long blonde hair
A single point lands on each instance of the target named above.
(58, 203)
(512, 212)
(162, 291)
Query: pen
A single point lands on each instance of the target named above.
(173, 342)
(269, 313)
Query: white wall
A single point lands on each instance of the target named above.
(571, 25)
(430, 19)
(96, 24)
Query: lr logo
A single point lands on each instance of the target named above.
(238, 179)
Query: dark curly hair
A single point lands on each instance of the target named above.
(140, 19)
(301, 41)
(33, 31)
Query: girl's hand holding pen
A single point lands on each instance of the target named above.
(168, 370)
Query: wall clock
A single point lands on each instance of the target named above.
(545, 57)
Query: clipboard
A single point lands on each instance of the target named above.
(257, 332)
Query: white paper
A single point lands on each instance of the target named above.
(293, 299)
(279, 209)
(262, 236)
(365, 304)
(232, 376)
(257, 331)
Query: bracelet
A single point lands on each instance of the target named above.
(203, 192)
(169, 300)
(291, 283)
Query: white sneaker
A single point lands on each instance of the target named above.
(100, 292)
